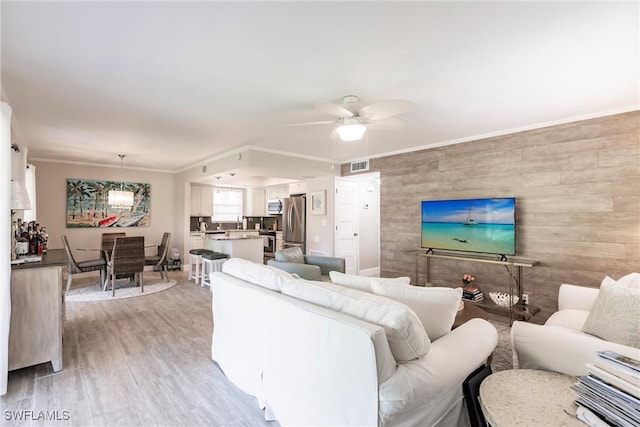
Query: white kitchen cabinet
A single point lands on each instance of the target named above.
(255, 202)
(243, 233)
(276, 192)
(201, 200)
(197, 241)
(237, 247)
(298, 187)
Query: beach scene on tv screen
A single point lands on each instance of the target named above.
(472, 225)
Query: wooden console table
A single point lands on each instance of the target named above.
(519, 310)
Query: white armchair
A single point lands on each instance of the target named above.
(560, 345)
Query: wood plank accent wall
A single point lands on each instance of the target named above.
(577, 189)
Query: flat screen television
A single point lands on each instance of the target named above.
(470, 225)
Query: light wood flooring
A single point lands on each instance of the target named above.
(140, 361)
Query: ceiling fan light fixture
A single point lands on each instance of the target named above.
(351, 130)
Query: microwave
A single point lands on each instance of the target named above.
(274, 207)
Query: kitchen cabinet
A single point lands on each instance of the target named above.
(255, 202)
(298, 187)
(243, 233)
(197, 241)
(249, 248)
(276, 192)
(201, 200)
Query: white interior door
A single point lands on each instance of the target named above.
(346, 217)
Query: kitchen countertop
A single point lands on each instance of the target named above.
(233, 230)
(53, 257)
(233, 237)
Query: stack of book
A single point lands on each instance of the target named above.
(471, 293)
(611, 391)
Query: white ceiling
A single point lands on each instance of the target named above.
(171, 84)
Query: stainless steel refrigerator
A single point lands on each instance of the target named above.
(294, 222)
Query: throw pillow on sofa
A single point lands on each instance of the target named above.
(290, 255)
(406, 336)
(258, 274)
(614, 315)
(435, 307)
(362, 283)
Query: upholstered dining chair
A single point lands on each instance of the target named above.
(160, 259)
(126, 259)
(75, 267)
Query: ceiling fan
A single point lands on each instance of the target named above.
(353, 119)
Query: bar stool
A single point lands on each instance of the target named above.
(195, 263)
(211, 262)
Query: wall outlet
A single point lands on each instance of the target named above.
(525, 299)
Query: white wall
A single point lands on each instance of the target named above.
(51, 195)
(5, 238)
(320, 228)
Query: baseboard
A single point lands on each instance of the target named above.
(371, 272)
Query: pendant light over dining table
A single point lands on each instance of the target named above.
(119, 198)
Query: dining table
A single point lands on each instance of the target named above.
(106, 255)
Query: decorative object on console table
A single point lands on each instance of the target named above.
(503, 299)
(467, 279)
(471, 293)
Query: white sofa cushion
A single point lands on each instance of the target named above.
(435, 307)
(630, 281)
(614, 315)
(258, 274)
(406, 335)
(568, 318)
(363, 283)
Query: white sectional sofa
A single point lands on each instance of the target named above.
(308, 364)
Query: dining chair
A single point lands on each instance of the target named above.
(160, 259)
(75, 267)
(107, 243)
(126, 259)
(107, 248)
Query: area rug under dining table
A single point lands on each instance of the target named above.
(124, 289)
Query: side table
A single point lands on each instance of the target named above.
(528, 397)
(470, 311)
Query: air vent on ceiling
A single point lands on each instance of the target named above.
(360, 166)
(204, 169)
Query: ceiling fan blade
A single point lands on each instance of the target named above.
(333, 109)
(321, 122)
(390, 123)
(383, 109)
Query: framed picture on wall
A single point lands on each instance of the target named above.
(88, 204)
(319, 202)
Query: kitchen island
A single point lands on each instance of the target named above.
(243, 246)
